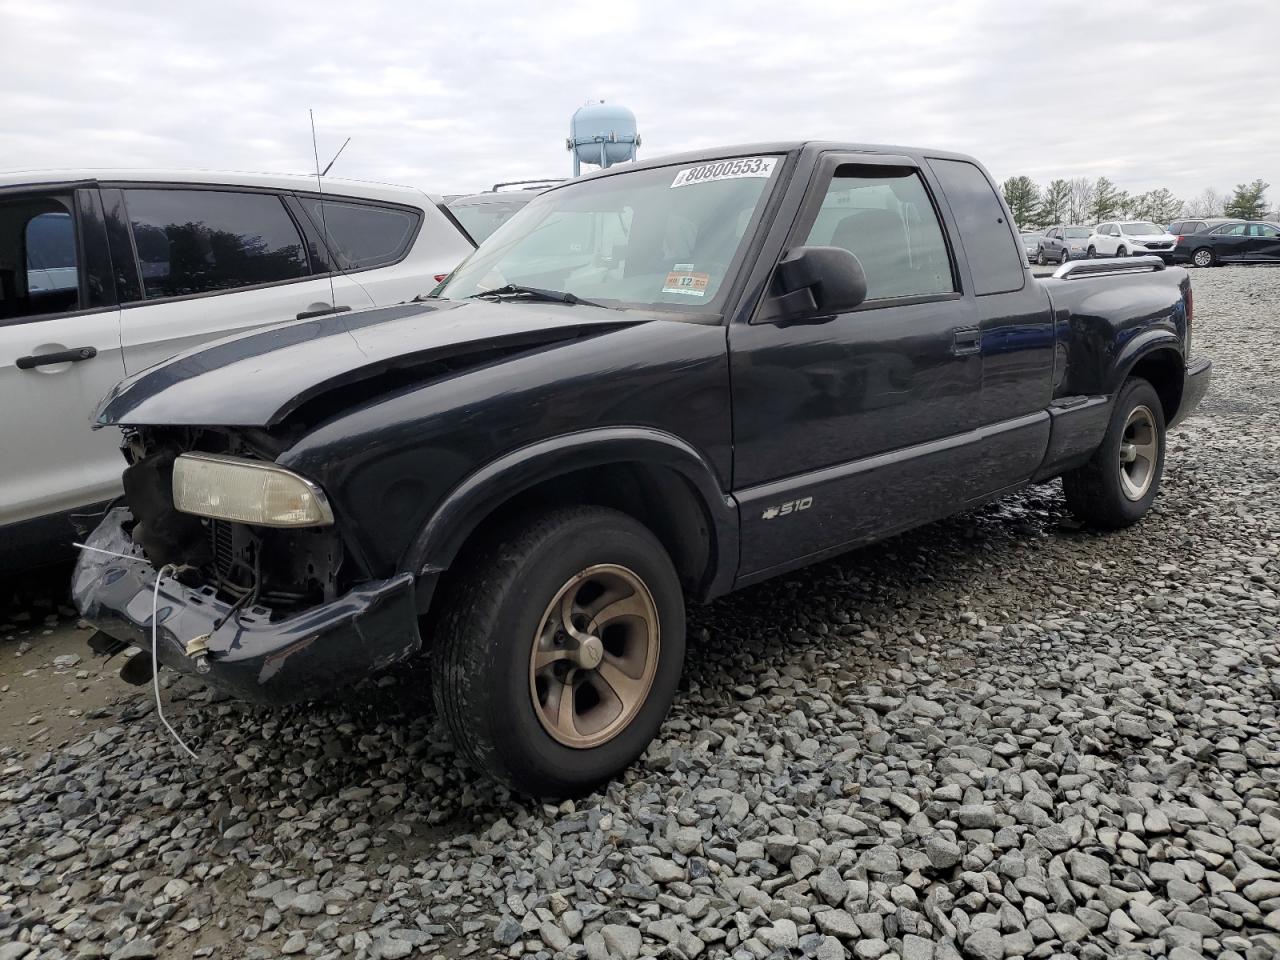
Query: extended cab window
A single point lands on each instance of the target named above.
(363, 235)
(39, 271)
(995, 259)
(198, 241)
(883, 216)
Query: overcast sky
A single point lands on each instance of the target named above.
(452, 97)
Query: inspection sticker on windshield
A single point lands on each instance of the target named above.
(683, 280)
(725, 170)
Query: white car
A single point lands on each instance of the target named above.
(1130, 238)
(103, 273)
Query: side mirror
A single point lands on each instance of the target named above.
(816, 283)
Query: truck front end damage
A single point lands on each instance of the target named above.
(268, 614)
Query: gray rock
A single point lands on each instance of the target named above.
(977, 816)
(622, 941)
(508, 931)
(141, 949)
(943, 854)
(837, 923)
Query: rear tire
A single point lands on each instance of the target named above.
(1204, 257)
(1121, 252)
(1118, 485)
(519, 632)
(1093, 252)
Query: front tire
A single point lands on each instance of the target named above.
(558, 653)
(1118, 485)
(1066, 255)
(1040, 260)
(1203, 257)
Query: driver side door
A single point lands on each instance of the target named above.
(846, 426)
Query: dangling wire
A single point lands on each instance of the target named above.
(155, 642)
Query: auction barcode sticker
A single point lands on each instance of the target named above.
(725, 170)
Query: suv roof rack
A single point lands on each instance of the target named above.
(546, 181)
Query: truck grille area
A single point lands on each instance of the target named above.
(285, 570)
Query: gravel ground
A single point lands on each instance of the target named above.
(998, 736)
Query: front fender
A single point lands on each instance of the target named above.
(482, 492)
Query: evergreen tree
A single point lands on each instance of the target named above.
(1249, 201)
(1023, 197)
(1108, 202)
(1055, 203)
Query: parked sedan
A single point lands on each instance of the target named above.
(1031, 244)
(1062, 243)
(1241, 241)
(1130, 238)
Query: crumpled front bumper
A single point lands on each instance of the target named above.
(250, 657)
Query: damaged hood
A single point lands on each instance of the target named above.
(259, 379)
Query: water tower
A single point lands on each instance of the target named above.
(602, 134)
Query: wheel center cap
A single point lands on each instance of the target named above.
(590, 653)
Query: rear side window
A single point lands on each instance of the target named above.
(996, 261)
(201, 241)
(1230, 230)
(363, 235)
(1263, 230)
(884, 217)
(39, 268)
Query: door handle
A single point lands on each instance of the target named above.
(308, 314)
(74, 355)
(966, 341)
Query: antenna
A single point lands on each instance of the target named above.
(324, 227)
(335, 156)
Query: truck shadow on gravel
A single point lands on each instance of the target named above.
(860, 610)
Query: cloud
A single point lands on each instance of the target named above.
(453, 97)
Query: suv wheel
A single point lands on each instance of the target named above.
(1203, 257)
(1066, 255)
(1040, 260)
(1119, 483)
(557, 656)
(1121, 252)
(1092, 252)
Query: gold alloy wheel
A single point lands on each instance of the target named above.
(594, 656)
(1139, 450)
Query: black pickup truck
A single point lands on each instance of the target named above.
(661, 382)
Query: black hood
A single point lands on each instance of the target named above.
(258, 379)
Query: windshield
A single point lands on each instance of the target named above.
(481, 217)
(1140, 228)
(661, 238)
(1076, 233)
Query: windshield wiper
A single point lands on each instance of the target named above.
(536, 293)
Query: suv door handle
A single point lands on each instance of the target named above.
(965, 341)
(308, 314)
(74, 355)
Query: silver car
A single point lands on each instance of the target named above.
(1063, 242)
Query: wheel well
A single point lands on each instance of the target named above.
(656, 496)
(1163, 370)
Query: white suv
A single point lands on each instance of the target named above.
(1128, 238)
(105, 273)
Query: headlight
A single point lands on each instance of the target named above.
(247, 491)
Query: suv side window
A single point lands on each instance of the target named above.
(997, 264)
(199, 241)
(883, 216)
(1231, 230)
(39, 266)
(363, 235)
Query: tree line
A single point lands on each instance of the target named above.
(1085, 201)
